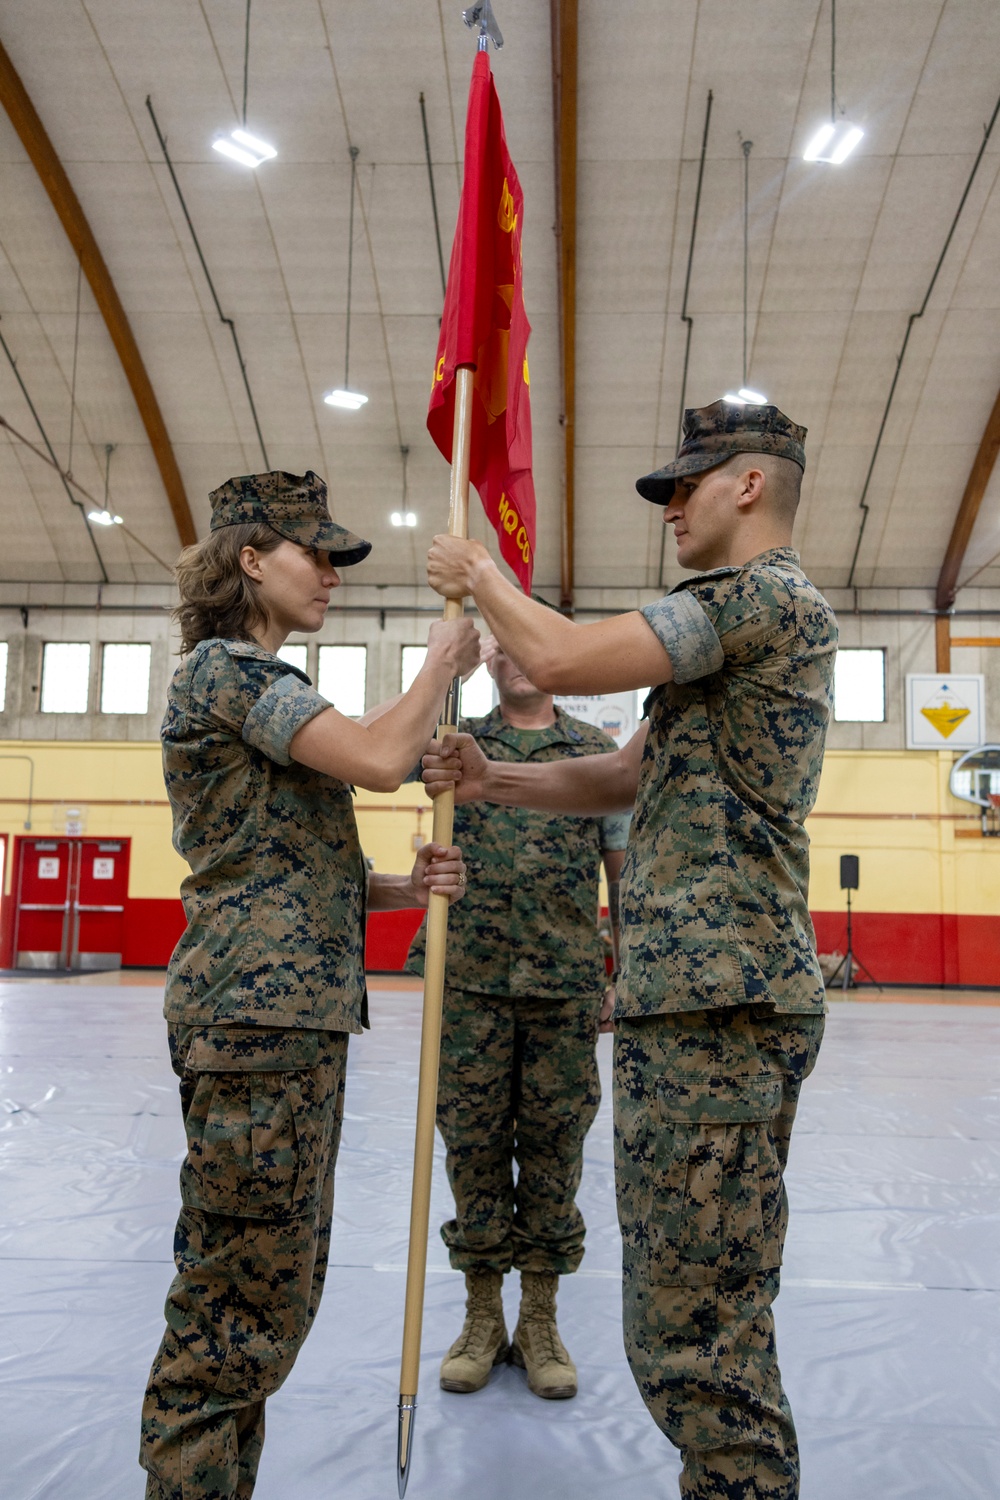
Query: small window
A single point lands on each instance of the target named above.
(3, 676)
(411, 661)
(987, 783)
(65, 678)
(341, 677)
(296, 656)
(859, 686)
(125, 679)
(477, 694)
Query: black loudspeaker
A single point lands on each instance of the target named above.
(848, 872)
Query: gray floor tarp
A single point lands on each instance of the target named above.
(888, 1322)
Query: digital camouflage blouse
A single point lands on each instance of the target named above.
(714, 907)
(528, 924)
(275, 901)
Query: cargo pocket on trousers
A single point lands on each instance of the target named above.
(255, 1126)
(718, 1203)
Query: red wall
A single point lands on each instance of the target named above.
(153, 927)
(917, 948)
(898, 947)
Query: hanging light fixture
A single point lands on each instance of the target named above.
(239, 145)
(745, 396)
(343, 396)
(834, 141)
(403, 517)
(106, 517)
(245, 148)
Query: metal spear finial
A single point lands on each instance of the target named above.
(481, 15)
(407, 1416)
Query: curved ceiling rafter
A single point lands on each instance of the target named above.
(34, 138)
(968, 511)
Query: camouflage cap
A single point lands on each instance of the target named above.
(292, 505)
(720, 431)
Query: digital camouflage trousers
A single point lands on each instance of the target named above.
(704, 1105)
(262, 1111)
(518, 1085)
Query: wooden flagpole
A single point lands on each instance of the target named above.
(437, 936)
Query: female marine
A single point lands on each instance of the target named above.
(267, 981)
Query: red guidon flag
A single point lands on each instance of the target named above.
(484, 324)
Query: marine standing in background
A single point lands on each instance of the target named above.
(518, 1082)
(267, 980)
(720, 998)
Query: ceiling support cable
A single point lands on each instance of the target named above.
(72, 383)
(833, 60)
(246, 64)
(565, 47)
(354, 151)
(434, 205)
(53, 460)
(24, 118)
(208, 277)
(863, 502)
(685, 318)
(747, 148)
(68, 481)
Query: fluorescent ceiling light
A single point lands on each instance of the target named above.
(842, 151)
(833, 142)
(104, 518)
(823, 137)
(255, 144)
(349, 400)
(745, 397)
(245, 148)
(403, 518)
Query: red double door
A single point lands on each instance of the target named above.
(69, 899)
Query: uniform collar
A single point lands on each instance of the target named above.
(774, 557)
(254, 651)
(562, 732)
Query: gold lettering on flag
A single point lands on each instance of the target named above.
(506, 215)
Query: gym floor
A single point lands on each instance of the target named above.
(888, 1322)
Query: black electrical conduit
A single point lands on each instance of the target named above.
(863, 502)
(211, 285)
(430, 609)
(55, 462)
(68, 481)
(434, 205)
(684, 312)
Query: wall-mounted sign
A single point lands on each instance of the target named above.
(48, 869)
(69, 818)
(944, 712)
(616, 713)
(104, 869)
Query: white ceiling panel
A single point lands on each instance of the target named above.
(838, 260)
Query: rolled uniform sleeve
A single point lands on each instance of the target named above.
(277, 716)
(614, 831)
(687, 635)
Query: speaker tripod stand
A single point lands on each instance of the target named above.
(850, 960)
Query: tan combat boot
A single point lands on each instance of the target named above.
(536, 1345)
(483, 1341)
